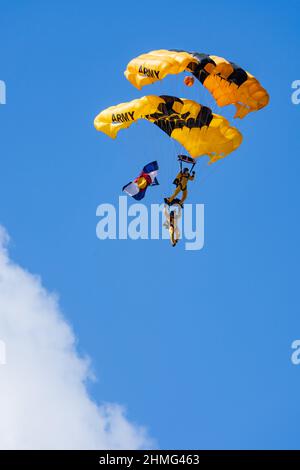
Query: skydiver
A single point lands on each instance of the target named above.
(171, 225)
(180, 181)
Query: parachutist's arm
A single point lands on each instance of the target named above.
(177, 179)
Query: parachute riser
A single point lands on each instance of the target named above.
(187, 160)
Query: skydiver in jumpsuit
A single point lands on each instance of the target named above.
(171, 224)
(181, 181)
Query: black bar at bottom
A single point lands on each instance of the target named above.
(142, 458)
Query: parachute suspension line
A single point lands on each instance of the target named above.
(159, 85)
(147, 149)
(183, 94)
(209, 170)
(166, 156)
(175, 144)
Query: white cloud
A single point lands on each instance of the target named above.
(44, 403)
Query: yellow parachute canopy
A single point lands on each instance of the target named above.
(194, 126)
(226, 81)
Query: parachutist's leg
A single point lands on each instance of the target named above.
(184, 196)
(171, 198)
(171, 232)
(177, 234)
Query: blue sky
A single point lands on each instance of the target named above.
(197, 345)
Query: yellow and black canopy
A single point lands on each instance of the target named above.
(194, 126)
(226, 81)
